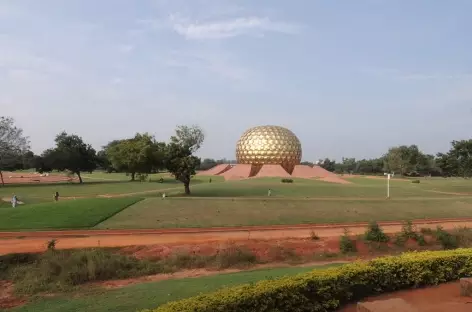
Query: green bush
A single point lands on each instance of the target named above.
(446, 239)
(285, 180)
(375, 234)
(58, 270)
(346, 244)
(327, 290)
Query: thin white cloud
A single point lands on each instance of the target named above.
(228, 28)
(216, 62)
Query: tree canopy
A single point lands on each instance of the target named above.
(71, 153)
(141, 154)
(13, 144)
(180, 161)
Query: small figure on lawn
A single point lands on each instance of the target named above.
(14, 201)
(269, 192)
(210, 180)
(163, 195)
(161, 180)
(56, 196)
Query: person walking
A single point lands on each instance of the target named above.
(56, 196)
(269, 192)
(14, 201)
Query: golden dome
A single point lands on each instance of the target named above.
(273, 145)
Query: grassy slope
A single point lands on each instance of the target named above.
(35, 193)
(80, 213)
(157, 213)
(364, 200)
(150, 295)
(361, 187)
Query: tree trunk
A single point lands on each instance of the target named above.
(80, 177)
(1, 177)
(187, 188)
(133, 174)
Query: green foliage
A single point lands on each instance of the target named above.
(140, 296)
(59, 270)
(180, 161)
(71, 153)
(346, 244)
(415, 181)
(141, 154)
(285, 180)
(65, 214)
(329, 289)
(446, 239)
(375, 234)
(409, 232)
(13, 144)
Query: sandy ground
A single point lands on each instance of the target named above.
(30, 177)
(11, 242)
(442, 298)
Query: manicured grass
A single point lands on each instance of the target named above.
(361, 187)
(65, 214)
(151, 295)
(204, 212)
(39, 193)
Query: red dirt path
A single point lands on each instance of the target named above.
(442, 298)
(35, 241)
(22, 178)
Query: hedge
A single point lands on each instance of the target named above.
(327, 290)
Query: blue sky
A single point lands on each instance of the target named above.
(350, 78)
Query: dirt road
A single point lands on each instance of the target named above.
(11, 242)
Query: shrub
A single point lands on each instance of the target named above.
(375, 234)
(346, 244)
(285, 180)
(313, 235)
(415, 181)
(446, 239)
(327, 290)
(427, 231)
(63, 269)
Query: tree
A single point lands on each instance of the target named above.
(458, 160)
(328, 164)
(180, 160)
(13, 144)
(403, 159)
(207, 163)
(71, 153)
(141, 154)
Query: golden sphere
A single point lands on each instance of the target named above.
(274, 145)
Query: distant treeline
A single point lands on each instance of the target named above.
(403, 160)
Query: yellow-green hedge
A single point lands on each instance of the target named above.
(326, 290)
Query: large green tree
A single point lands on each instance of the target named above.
(13, 144)
(458, 161)
(141, 154)
(71, 153)
(180, 160)
(404, 159)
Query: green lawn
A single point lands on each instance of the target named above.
(361, 187)
(151, 295)
(65, 214)
(35, 193)
(195, 212)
